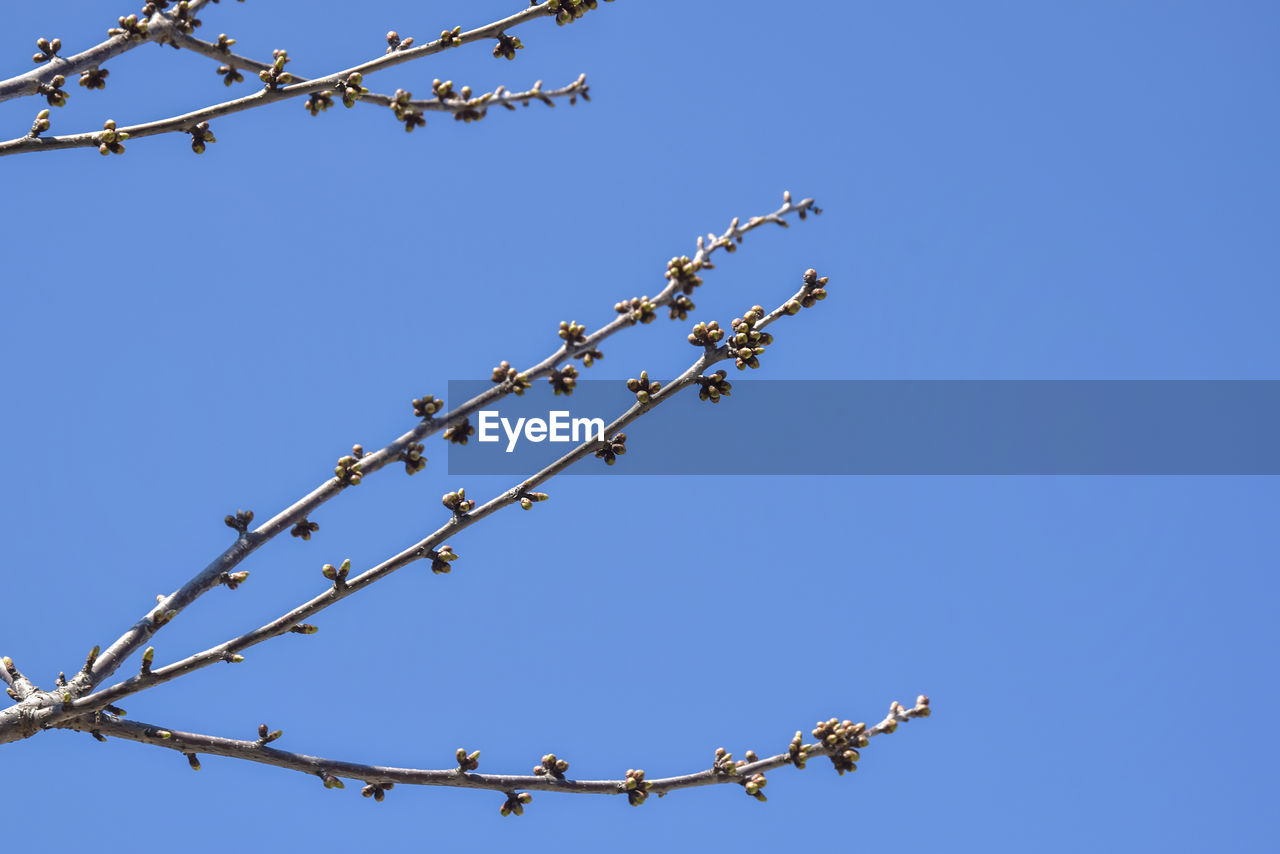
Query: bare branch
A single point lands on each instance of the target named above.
(278, 88)
(20, 687)
(748, 342)
(41, 710)
(74, 704)
(249, 541)
(462, 103)
(31, 82)
(838, 740)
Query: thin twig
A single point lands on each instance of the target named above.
(739, 772)
(500, 97)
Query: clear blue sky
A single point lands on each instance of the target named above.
(1079, 190)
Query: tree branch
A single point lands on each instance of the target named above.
(41, 709)
(838, 740)
(750, 325)
(275, 91)
(461, 105)
(31, 82)
(20, 687)
(215, 573)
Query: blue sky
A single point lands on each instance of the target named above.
(1011, 191)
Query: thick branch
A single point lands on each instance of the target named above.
(377, 775)
(20, 687)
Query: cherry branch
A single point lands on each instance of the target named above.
(280, 85)
(20, 687)
(41, 708)
(460, 103)
(682, 279)
(36, 81)
(840, 741)
(745, 346)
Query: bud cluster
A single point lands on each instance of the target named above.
(275, 76)
(40, 125)
(440, 561)
(551, 767)
(515, 803)
(458, 502)
(53, 91)
(842, 738)
(563, 380)
(706, 334)
(683, 272)
(714, 387)
(460, 432)
(200, 136)
(48, 49)
(640, 309)
(234, 579)
(507, 46)
(182, 16)
(613, 448)
(529, 498)
(468, 761)
(94, 78)
(304, 529)
(724, 764)
(317, 102)
(427, 406)
(589, 357)
(815, 288)
(568, 11)
(572, 332)
(347, 471)
(129, 26)
(505, 373)
(377, 791)
(395, 43)
(796, 750)
(109, 141)
(748, 342)
(405, 111)
(351, 90)
(644, 388)
(338, 575)
(754, 784)
(636, 787)
(412, 458)
(231, 74)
